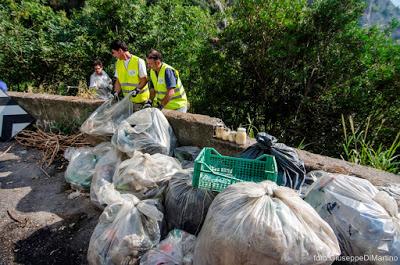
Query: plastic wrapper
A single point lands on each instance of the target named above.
(82, 162)
(291, 170)
(147, 131)
(102, 190)
(262, 223)
(106, 118)
(365, 221)
(185, 206)
(176, 249)
(144, 172)
(126, 230)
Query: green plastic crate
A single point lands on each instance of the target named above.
(213, 171)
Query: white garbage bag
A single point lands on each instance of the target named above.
(82, 162)
(144, 171)
(365, 221)
(106, 118)
(262, 223)
(146, 130)
(126, 230)
(393, 190)
(102, 190)
(176, 249)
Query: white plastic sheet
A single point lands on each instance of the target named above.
(176, 249)
(262, 223)
(365, 221)
(147, 131)
(143, 172)
(126, 230)
(106, 118)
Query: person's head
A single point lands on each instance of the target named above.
(98, 67)
(154, 60)
(118, 49)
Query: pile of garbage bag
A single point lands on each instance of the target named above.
(177, 248)
(146, 130)
(262, 223)
(291, 170)
(106, 118)
(185, 206)
(82, 162)
(365, 220)
(126, 230)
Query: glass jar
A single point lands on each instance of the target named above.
(241, 136)
(219, 129)
(232, 136)
(225, 134)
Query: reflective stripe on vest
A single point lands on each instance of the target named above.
(129, 79)
(178, 99)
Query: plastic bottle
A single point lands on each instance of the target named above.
(241, 136)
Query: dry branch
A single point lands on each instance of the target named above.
(53, 145)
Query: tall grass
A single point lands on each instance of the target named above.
(359, 147)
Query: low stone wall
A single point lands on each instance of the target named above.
(190, 129)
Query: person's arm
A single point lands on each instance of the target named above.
(142, 74)
(170, 81)
(92, 83)
(152, 91)
(117, 86)
(168, 96)
(142, 82)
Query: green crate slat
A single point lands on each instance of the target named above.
(214, 171)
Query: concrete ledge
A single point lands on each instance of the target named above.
(190, 129)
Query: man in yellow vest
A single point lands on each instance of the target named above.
(130, 72)
(166, 89)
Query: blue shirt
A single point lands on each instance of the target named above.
(3, 86)
(170, 79)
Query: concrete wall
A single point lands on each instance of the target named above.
(190, 129)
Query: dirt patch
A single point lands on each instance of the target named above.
(38, 223)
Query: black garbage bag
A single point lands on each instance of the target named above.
(186, 206)
(291, 170)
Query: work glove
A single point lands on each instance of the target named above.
(135, 92)
(148, 104)
(160, 106)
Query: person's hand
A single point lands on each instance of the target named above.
(148, 104)
(116, 95)
(135, 92)
(160, 106)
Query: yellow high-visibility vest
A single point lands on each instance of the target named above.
(129, 79)
(178, 100)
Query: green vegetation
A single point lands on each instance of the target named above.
(290, 68)
(360, 148)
